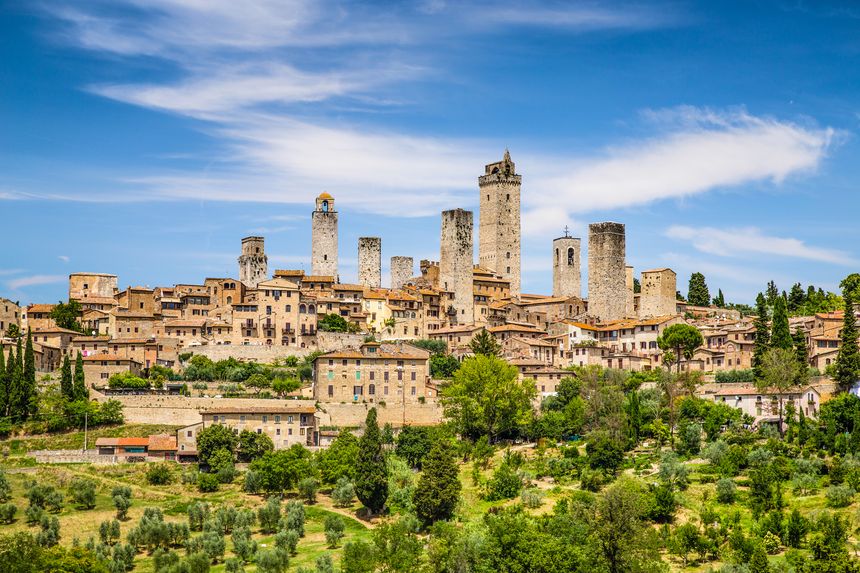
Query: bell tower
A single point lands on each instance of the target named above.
(324, 237)
(499, 229)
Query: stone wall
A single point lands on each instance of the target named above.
(370, 262)
(71, 457)
(456, 261)
(566, 269)
(353, 415)
(658, 296)
(82, 285)
(253, 264)
(607, 275)
(326, 341)
(499, 228)
(401, 271)
(324, 243)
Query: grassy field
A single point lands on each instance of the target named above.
(75, 440)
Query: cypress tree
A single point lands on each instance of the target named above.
(30, 394)
(438, 489)
(802, 353)
(780, 336)
(81, 392)
(66, 385)
(720, 300)
(697, 291)
(10, 371)
(848, 358)
(762, 335)
(17, 401)
(4, 388)
(371, 483)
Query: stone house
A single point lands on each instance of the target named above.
(286, 424)
(98, 368)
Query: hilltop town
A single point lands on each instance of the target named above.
(447, 395)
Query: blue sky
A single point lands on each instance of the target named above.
(145, 138)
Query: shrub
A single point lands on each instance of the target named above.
(198, 513)
(252, 482)
(308, 489)
(531, 498)
(839, 495)
(207, 483)
(726, 490)
(604, 453)
(159, 474)
(83, 492)
(287, 540)
(121, 496)
(269, 515)
(505, 483)
(7, 513)
(295, 518)
(343, 493)
(334, 528)
(771, 543)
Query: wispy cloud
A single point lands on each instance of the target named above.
(35, 280)
(732, 242)
(64, 258)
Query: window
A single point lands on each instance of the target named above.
(277, 431)
(241, 418)
(289, 419)
(330, 390)
(413, 376)
(277, 419)
(265, 418)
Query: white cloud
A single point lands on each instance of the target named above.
(64, 258)
(35, 280)
(734, 242)
(696, 150)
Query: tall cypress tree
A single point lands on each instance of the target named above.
(4, 388)
(10, 372)
(81, 391)
(780, 335)
(371, 483)
(801, 352)
(439, 488)
(66, 385)
(848, 358)
(18, 403)
(762, 335)
(30, 376)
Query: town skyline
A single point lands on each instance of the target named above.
(149, 154)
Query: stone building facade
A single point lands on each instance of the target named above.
(629, 298)
(324, 237)
(92, 285)
(657, 297)
(499, 229)
(401, 271)
(607, 274)
(253, 264)
(10, 313)
(566, 269)
(370, 262)
(456, 259)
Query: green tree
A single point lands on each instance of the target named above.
(780, 371)
(697, 291)
(762, 335)
(81, 391)
(334, 528)
(4, 384)
(66, 385)
(801, 354)
(780, 335)
(215, 437)
(485, 344)
(253, 445)
(333, 323)
(30, 394)
(66, 315)
(281, 470)
(720, 300)
(847, 369)
(338, 460)
(18, 399)
(439, 487)
(758, 561)
(682, 339)
(371, 484)
(413, 443)
(443, 366)
(486, 398)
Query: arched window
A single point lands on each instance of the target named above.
(508, 255)
(371, 390)
(229, 300)
(557, 260)
(570, 256)
(312, 309)
(325, 206)
(302, 309)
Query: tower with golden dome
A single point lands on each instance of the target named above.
(324, 237)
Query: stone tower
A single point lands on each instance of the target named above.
(629, 287)
(324, 238)
(253, 264)
(499, 230)
(401, 271)
(370, 262)
(566, 270)
(658, 293)
(456, 259)
(607, 272)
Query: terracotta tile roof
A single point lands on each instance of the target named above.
(277, 407)
(108, 358)
(162, 442)
(318, 279)
(532, 342)
(349, 287)
(56, 330)
(513, 328)
(40, 308)
(289, 273)
(186, 322)
(455, 329)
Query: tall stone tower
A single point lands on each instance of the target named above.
(370, 261)
(401, 271)
(607, 272)
(658, 293)
(566, 269)
(456, 259)
(629, 287)
(324, 237)
(253, 264)
(499, 230)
